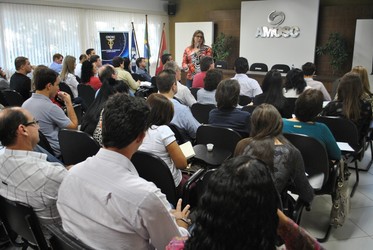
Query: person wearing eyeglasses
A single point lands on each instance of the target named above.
(25, 175)
(193, 54)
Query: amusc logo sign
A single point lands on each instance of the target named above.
(276, 18)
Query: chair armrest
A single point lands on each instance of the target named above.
(187, 186)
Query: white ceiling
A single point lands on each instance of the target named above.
(141, 6)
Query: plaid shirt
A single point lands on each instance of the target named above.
(27, 177)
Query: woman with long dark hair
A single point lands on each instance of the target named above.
(160, 140)
(238, 210)
(295, 83)
(267, 143)
(350, 105)
(272, 94)
(89, 72)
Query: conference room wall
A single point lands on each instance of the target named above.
(334, 16)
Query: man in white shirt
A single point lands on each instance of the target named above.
(248, 86)
(78, 68)
(309, 70)
(183, 93)
(25, 175)
(111, 207)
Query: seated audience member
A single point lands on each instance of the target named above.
(19, 81)
(226, 114)
(362, 72)
(183, 93)
(183, 118)
(350, 105)
(164, 59)
(90, 52)
(309, 70)
(124, 75)
(97, 60)
(89, 72)
(240, 196)
(51, 117)
(111, 207)
(272, 94)
(4, 84)
(206, 63)
(57, 63)
(67, 74)
(78, 68)
(141, 69)
(267, 143)
(248, 86)
(26, 176)
(211, 81)
(159, 138)
(295, 83)
(307, 107)
(91, 120)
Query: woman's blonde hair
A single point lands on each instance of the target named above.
(362, 72)
(68, 66)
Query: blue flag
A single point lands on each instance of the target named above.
(134, 52)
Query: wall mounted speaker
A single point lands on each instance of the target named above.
(171, 9)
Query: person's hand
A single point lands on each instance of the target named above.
(181, 216)
(64, 97)
(282, 220)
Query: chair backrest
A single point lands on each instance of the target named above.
(282, 68)
(12, 98)
(342, 129)
(87, 93)
(63, 241)
(221, 65)
(291, 103)
(194, 92)
(244, 100)
(314, 154)
(44, 143)
(262, 67)
(154, 169)
(66, 88)
(224, 138)
(180, 139)
(201, 112)
(76, 146)
(138, 77)
(79, 112)
(20, 219)
(249, 108)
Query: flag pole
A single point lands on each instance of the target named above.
(160, 45)
(134, 34)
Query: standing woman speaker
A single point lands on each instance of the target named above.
(193, 54)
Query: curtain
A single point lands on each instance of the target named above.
(37, 32)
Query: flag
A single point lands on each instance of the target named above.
(134, 49)
(162, 48)
(146, 45)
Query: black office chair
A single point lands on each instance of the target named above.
(194, 92)
(249, 108)
(63, 241)
(322, 175)
(261, 67)
(243, 100)
(66, 88)
(282, 68)
(224, 138)
(201, 112)
(76, 146)
(87, 93)
(20, 219)
(291, 104)
(11, 98)
(44, 143)
(345, 130)
(221, 65)
(79, 112)
(180, 139)
(138, 77)
(154, 169)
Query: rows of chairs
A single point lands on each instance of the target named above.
(262, 67)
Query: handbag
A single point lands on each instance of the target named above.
(341, 199)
